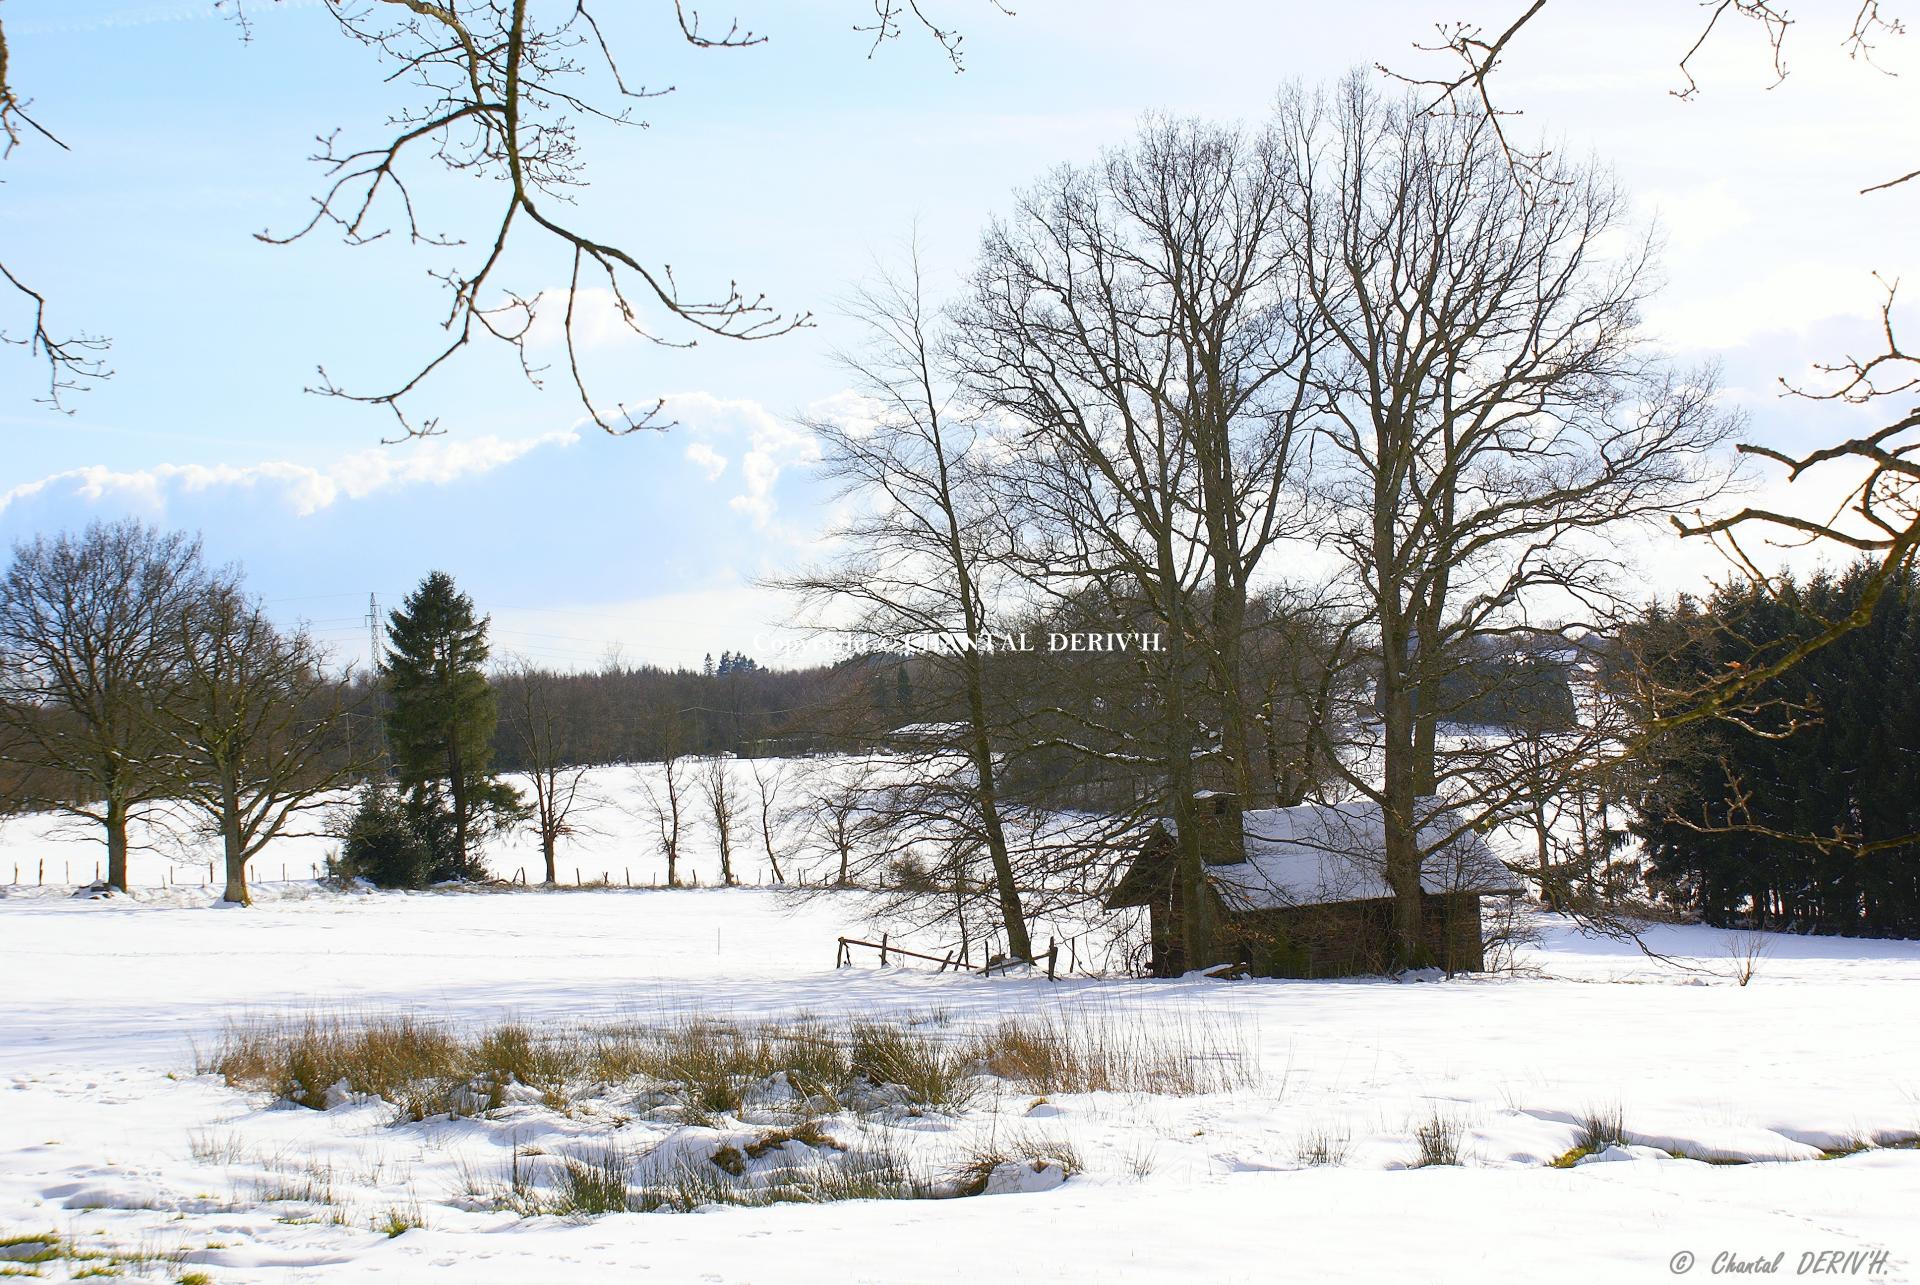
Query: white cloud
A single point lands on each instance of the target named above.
(304, 488)
(707, 460)
(772, 445)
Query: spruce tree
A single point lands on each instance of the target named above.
(440, 721)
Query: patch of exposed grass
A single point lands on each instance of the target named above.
(1706, 1158)
(1602, 1127)
(213, 1147)
(931, 1073)
(400, 1220)
(1438, 1137)
(971, 1175)
(408, 1062)
(26, 1255)
(1598, 1129)
(807, 1131)
(1044, 1054)
(1323, 1148)
(593, 1184)
(852, 1174)
(36, 1247)
(734, 1160)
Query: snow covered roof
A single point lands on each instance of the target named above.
(1318, 853)
(929, 731)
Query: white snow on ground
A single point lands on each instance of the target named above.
(108, 1137)
(615, 837)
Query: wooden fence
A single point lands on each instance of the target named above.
(843, 957)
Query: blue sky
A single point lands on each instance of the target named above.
(791, 167)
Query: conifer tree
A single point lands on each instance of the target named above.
(441, 719)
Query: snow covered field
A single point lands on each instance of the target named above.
(613, 840)
(107, 1136)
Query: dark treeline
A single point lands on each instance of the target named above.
(629, 714)
(1797, 822)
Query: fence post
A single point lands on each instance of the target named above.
(883, 950)
(627, 872)
(1053, 956)
(41, 881)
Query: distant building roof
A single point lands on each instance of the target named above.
(1319, 853)
(930, 732)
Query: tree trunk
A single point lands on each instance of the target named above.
(1012, 914)
(1236, 738)
(766, 840)
(457, 787)
(1196, 923)
(1400, 800)
(1544, 854)
(116, 823)
(231, 843)
(546, 851)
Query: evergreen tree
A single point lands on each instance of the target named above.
(1806, 814)
(440, 722)
(382, 845)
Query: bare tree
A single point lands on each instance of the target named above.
(255, 726)
(838, 829)
(534, 718)
(1879, 469)
(768, 783)
(1492, 410)
(716, 790)
(1134, 321)
(90, 647)
(75, 361)
(501, 91)
(922, 559)
(666, 803)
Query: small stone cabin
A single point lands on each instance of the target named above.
(1302, 891)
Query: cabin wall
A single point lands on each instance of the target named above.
(1352, 938)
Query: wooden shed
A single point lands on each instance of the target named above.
(1302, 891)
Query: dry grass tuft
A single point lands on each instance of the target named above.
(1439, 1137)
(1323, 1148)
(1045, 1054)
(970, 1176)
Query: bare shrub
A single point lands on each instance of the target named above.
(1747, 950)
